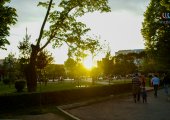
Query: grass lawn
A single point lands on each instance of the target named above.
(51, 86)
(121, 81)
(6, 88)
(64, 85)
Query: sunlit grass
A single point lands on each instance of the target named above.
(121, 81)
(50, 86)
(64, 85)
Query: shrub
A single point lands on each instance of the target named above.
(20, 85)
(6, 81)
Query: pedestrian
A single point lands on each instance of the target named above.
(155, 81)
(144, 94)
(136, 88)
(143, 80)
(166, 83)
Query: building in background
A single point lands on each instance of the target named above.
(124, 52)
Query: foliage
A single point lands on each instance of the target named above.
(70, 65)
(124, 68)
(20, 85)
(166, 3)
(10, 67)
(63, 28)
(80, 70)
(63, 24)
(121, 64)
(156, 31)
(43, 59)
(25, 49)
(54, 71)
(105, 66)
(24, 56)
(6, 81)
(9, 101)
(95, 73)
(8, 17)
(148, 66)
(131, 61)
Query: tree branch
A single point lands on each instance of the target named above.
(44, 22)
(53, 33)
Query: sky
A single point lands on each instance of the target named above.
(120, 28)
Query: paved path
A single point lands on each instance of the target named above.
(125, 109)
(47, 116)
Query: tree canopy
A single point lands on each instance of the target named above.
(64, 27)
(8, 17)
(155, 30)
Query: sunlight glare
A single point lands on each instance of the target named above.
(88, 63)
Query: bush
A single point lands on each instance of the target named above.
(20, 85)
(8, 101)
(6, 81)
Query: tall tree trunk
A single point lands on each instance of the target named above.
(31, 75)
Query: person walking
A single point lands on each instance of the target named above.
(166, 83)
(144, 94)
(136, 88)
(143, 80)
(155, 81)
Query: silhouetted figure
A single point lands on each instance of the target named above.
(143, 80)
(144, 94)
(155, 81)
(136, 88)
(166, 83)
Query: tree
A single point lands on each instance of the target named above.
(54, 71)
(155, 31)
(128, 63)
(64, 28)
(25, 49)
(94, 47)
(10, 67)
(8, 17)
(166, 3)
(125, 64)
(24, 52)
(43, 59)
(70, 65)
(106, 65)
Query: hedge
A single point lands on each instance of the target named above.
(13, 101)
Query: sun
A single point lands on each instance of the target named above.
(88, 63)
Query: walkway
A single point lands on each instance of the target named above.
(125, 109)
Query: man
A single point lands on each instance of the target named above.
(136, 87)
(155, 81)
